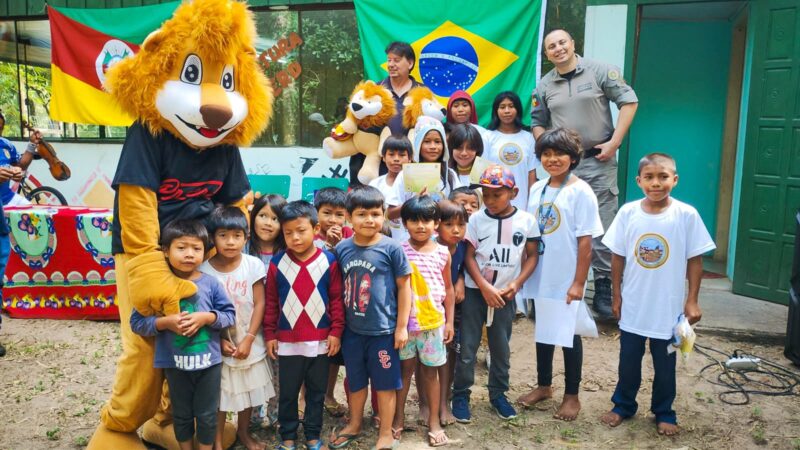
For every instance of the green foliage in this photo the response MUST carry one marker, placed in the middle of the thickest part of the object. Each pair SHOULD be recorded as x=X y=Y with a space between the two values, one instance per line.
x=569 y=15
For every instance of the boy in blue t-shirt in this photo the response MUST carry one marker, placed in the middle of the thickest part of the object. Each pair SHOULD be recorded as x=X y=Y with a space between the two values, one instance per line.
x=377 y=300
x=188 y=343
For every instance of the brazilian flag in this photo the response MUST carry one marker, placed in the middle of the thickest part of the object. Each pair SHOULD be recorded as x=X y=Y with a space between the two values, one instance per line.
x=478 y=46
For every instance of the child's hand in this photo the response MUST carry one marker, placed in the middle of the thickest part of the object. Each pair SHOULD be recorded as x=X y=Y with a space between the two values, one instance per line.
x=459 y=290
x=173 y=322
x=191 y=323
x=334 y=235
x=243 y=350
x=272 y=348
x=616 y=305
x=334 y=344
x=227 y=347
x=575 y=292
x=692 y=312
x=400 y=338
x=492 y=296
x=509 y=292
x=448 y=333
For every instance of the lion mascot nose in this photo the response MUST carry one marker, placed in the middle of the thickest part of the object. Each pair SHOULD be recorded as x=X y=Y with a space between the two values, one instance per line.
x=356 y=106
x=216 y=109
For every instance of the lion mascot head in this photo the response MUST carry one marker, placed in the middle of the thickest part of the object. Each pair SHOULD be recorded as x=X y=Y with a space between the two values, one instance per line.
x=419 y=102
x=369 y=111
x=197 y=77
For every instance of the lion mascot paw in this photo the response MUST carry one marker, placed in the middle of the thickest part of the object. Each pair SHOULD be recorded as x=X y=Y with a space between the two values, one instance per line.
x=196 y=92
x=369 y=111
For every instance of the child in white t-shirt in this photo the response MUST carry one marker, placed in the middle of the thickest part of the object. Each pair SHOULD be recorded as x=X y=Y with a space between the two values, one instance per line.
x=657 y=243
x=246 y=378
x=501 y=255
x=511 y=144
x=396 y=151
x=566 y=211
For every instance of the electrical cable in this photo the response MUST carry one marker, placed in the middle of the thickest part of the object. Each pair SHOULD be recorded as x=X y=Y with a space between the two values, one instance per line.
x=770 y=379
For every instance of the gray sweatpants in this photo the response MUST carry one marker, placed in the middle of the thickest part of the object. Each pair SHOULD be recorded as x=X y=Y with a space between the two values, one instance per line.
x=473 y=317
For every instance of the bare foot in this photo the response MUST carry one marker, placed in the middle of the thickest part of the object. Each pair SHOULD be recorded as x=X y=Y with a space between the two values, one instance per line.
x=384 y=443
x=535 y=396
x=667 y=429
x=446 y=417
x=250 y=443
x=424 y=415
x=569 y=409
x=611 y=419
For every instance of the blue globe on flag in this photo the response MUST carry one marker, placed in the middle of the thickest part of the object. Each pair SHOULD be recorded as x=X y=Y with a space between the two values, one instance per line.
x=448 y=64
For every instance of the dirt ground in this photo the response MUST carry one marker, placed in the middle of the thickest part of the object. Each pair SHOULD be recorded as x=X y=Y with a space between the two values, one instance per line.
x=57 y=374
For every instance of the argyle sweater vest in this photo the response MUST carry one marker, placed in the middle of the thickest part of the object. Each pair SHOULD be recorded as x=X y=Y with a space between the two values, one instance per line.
x=303 y=298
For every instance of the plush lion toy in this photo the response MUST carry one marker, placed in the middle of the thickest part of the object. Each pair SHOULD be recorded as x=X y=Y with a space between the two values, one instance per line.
x=370 y=109
x=197 y=92
x=419 y=102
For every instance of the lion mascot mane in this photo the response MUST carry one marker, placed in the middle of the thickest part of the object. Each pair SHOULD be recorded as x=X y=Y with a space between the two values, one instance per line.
x=197 y=92
x=419 y=102
x=369 y=111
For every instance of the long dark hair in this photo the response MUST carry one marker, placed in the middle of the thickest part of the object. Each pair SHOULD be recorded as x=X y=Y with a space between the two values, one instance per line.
x=495 y=123
x=276 y=203
x=460 y=134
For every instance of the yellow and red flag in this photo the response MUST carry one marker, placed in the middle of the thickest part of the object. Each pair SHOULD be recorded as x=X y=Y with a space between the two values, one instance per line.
x=85 y=44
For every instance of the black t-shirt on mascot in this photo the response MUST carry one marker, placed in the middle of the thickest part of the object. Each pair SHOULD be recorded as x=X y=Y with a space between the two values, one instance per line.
x=171 y=169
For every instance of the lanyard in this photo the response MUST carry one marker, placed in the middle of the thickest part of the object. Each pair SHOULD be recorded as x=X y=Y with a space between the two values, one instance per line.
x=545 y=215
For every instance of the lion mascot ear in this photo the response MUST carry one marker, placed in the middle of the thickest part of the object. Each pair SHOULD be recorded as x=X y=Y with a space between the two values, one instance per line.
x=197 y=77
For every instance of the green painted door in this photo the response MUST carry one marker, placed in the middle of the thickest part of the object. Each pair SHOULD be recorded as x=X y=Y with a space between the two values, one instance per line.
x=770 y=194
x=682 y=98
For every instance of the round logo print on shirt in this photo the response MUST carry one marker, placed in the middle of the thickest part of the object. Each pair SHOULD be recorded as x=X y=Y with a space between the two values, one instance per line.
x=651 y=251
x=510 y=154
x=553 y=219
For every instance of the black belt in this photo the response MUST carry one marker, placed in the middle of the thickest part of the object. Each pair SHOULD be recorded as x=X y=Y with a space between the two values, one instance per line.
x=591 y=152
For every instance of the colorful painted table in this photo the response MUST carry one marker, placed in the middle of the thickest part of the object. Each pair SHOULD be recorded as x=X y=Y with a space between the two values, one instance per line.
x=61 y=265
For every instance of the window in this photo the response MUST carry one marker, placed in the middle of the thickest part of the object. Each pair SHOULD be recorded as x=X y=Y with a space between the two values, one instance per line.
x=313 y=59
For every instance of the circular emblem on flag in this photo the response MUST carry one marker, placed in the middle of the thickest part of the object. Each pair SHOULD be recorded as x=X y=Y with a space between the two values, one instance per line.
x=448 y=64
x=113 y=52
x=510 y=154
x=651 y=251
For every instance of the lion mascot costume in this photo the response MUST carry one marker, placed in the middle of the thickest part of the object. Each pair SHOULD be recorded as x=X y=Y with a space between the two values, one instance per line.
x=197 y=92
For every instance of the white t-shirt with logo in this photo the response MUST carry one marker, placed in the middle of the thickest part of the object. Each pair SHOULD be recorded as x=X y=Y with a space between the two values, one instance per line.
x=239 y=287
x=574 y=214
x=515 y=152
x=399 y=232
x=656 y=248
x=499 y=245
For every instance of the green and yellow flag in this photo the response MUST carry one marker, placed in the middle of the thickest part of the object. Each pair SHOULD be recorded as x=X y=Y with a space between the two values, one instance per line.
x=480 y=47
x=86 y=43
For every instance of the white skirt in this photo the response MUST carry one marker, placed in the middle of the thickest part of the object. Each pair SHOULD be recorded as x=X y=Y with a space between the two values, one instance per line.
x=245 y=387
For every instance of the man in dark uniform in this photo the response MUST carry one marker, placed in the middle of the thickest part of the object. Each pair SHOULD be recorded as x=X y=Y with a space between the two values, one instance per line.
x=577 y=94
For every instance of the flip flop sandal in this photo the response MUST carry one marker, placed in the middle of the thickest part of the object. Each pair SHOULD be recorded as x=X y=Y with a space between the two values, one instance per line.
x=348 y=439
x=335 y=409
x=317 y=446
x=285 y=447
x=435 y=439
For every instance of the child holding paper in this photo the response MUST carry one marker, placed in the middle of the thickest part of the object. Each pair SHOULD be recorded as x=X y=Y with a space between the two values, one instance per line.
x=566 y=210
x=659 y=242
x=429 y=147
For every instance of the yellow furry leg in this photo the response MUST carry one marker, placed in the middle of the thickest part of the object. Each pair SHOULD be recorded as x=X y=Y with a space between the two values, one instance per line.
x=164 y=435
